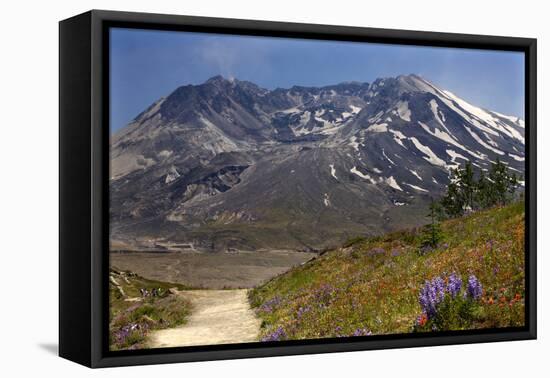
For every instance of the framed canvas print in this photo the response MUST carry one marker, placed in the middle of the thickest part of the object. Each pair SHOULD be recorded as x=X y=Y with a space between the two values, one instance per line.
x=233 y=188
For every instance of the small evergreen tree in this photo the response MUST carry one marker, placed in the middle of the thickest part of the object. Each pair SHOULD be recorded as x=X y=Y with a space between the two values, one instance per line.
x=483 y=193
x=467 y=185
x=432 y=233
x=503 y=184
x=454 y=202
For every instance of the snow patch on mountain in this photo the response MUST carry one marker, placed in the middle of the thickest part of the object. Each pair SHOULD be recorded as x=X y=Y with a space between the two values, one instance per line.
x=435 y=111
x=403 y=111
x=391 y=182
x=292 y=110
x=355 y=171
x=299 y=129
x=515 y=120
x=480 y=141
x=455 y=155
x=398 y=137
x=416 y=174
x=478 y=112
x=376 y=117
x=378 y=128
x=516 y=157
x=430 y=156
x=490 y=141
x=331 y=130
x=333 y=171
x=353 y=143
x=386 y=156
x=440 y=135
x=416 y=187
x=326 y=200
x=486 y=117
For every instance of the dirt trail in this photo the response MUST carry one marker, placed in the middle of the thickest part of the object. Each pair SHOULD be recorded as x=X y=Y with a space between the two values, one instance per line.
x=218 y=317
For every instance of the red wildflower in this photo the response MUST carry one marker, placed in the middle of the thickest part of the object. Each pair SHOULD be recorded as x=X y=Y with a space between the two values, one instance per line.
x=423 y=319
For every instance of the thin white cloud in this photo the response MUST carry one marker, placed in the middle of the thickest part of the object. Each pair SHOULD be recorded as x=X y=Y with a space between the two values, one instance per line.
x=229 y=55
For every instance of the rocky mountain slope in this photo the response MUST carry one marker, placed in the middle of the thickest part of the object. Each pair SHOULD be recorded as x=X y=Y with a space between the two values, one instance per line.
x=229 y=165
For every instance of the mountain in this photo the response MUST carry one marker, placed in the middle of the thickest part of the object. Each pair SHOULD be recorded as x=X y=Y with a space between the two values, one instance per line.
x=227 y=164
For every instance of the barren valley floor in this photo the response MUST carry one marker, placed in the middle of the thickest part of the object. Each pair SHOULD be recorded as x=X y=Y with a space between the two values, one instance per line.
x=210 y=270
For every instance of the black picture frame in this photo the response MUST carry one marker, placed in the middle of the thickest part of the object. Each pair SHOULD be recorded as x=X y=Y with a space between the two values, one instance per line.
x=83 y=181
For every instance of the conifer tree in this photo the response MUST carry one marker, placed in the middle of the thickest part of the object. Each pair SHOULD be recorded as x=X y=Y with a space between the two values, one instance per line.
x=467 y=185
x=483 y=193
x=465 y=193
x=431 y=233
x=503 y=184
x=453 y=201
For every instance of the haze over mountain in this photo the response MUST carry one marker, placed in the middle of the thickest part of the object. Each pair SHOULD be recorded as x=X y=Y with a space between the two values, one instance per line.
x=227 y=164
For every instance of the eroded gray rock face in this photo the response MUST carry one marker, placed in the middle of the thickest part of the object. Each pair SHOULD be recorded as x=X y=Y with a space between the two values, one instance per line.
x=229 y=165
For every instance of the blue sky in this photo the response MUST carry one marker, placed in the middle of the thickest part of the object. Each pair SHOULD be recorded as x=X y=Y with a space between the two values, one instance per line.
x=146 y=65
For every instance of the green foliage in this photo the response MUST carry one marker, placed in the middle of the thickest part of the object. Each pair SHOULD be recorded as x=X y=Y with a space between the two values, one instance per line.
x=133 y=316
x=468 y=185
x=483 y=192
x=453 y=201
x=465 y=193
x=432 y=234
x=146 y=310
x=503 y=184
x=457 y=313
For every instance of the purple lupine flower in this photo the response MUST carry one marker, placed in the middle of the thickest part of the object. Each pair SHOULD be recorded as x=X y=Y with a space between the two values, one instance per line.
x=425 y=299
x=302 y=310
x=362 y=332
x=454 y=285
x=431 y=295
x=121 y=334
x=324 y=295
x=270 y=305
x=474 y=289
x=277 y=335
x=439 y=287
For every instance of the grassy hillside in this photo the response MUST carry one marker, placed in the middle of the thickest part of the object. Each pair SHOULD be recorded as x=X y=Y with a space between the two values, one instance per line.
x=372 y=286
x=139 y=305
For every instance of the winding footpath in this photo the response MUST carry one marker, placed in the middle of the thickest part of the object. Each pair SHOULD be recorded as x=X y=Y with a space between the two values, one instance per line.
x=217 y=317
